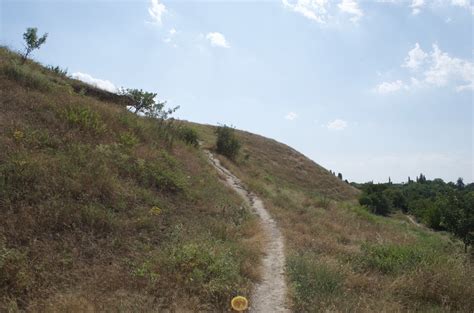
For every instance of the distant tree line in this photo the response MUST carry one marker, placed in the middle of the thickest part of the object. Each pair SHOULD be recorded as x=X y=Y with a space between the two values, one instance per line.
x=339 y=175
x=439 y=205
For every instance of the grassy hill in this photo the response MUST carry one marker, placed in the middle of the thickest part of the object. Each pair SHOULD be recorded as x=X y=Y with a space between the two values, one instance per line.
x=101 y=210
x=340 y=257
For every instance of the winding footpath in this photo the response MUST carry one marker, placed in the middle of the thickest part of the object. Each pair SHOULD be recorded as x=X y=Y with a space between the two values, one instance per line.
x=270 y=294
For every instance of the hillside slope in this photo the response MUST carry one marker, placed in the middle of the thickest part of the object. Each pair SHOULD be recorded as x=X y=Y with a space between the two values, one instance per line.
x=267 y=160
x=340 y=257
x=101 y=210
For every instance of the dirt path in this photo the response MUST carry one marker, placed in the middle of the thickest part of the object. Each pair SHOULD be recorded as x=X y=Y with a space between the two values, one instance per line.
x=270 y=294
x=412 y=220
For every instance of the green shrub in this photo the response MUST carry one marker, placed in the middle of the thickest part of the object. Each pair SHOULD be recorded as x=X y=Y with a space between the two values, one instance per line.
x=162 y=176
x=15 y=276
x=128 y=140
x=145 y=270
x=27 y=77
x=205 y=269
x=85 y=119
x=313 y=283
x=377 y=202
x=392 y=258
x=97 y=218
x=433 y=217
x=227 y=143
x=57 y=70
x=364 y=213
x=20 y=180
x=189 y=136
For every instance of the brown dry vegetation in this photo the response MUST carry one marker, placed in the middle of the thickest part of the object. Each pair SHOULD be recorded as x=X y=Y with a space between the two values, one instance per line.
x=340 y=257
x=102 y=211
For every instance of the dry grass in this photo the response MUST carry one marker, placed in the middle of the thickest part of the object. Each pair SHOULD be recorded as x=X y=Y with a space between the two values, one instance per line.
x=101 y=213
x=341 y=258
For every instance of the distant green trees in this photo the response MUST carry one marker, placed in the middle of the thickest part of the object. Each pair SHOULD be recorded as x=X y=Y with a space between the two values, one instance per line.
x=439 y=205
x=421 y=179
x=375 y=198
x=32 y=41
x=227 y=143
x=457 y=213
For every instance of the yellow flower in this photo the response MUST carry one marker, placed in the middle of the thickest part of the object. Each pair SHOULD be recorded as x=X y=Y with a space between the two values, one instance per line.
x=239 y=303
x=155 y=211
x=18 y=135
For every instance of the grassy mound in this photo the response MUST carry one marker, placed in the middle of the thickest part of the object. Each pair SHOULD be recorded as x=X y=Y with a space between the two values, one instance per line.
x=341 y=257
x=103 y=210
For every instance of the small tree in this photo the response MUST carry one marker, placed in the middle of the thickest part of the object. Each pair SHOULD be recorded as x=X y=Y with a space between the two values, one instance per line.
x=421 y=179
x=339 y=175
x=227 y=144
x=32 y=41
x=376 y=198
x=458 y=215
x=144 y=102
x=460 y=183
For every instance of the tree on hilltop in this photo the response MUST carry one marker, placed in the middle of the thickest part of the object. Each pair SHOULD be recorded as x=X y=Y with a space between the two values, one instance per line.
x=32 y=41
x=144 y=102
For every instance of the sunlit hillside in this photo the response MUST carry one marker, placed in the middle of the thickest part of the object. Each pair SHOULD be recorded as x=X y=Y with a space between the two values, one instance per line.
x=102 y=210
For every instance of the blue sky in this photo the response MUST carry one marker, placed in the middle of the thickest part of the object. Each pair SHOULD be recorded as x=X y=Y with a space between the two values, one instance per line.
x=370 y=89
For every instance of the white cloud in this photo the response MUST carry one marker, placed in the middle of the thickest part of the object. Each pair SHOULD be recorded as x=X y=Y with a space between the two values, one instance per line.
x=99 y=83
x=291 y=116
x=315 y=10
x=436 y=69
x=156 y=11
x=466 y=4
x=171 y=34
x=469 y=86
x=337 y=124
x=351 y=7
x=217 y=40
x=415 y=57
x=461 y=3
x=414 y=83
x=416 y=6
x=444 y=68
x=388 y=87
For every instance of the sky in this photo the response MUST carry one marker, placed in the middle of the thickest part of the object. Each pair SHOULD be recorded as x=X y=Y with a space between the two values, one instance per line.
x=370 y=89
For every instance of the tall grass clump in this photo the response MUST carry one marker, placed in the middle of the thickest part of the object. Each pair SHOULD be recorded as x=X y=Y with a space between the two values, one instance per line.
x=448 y=284
x=314 y=283
x=85 y=119
x=394 y=258
x=27 y=77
